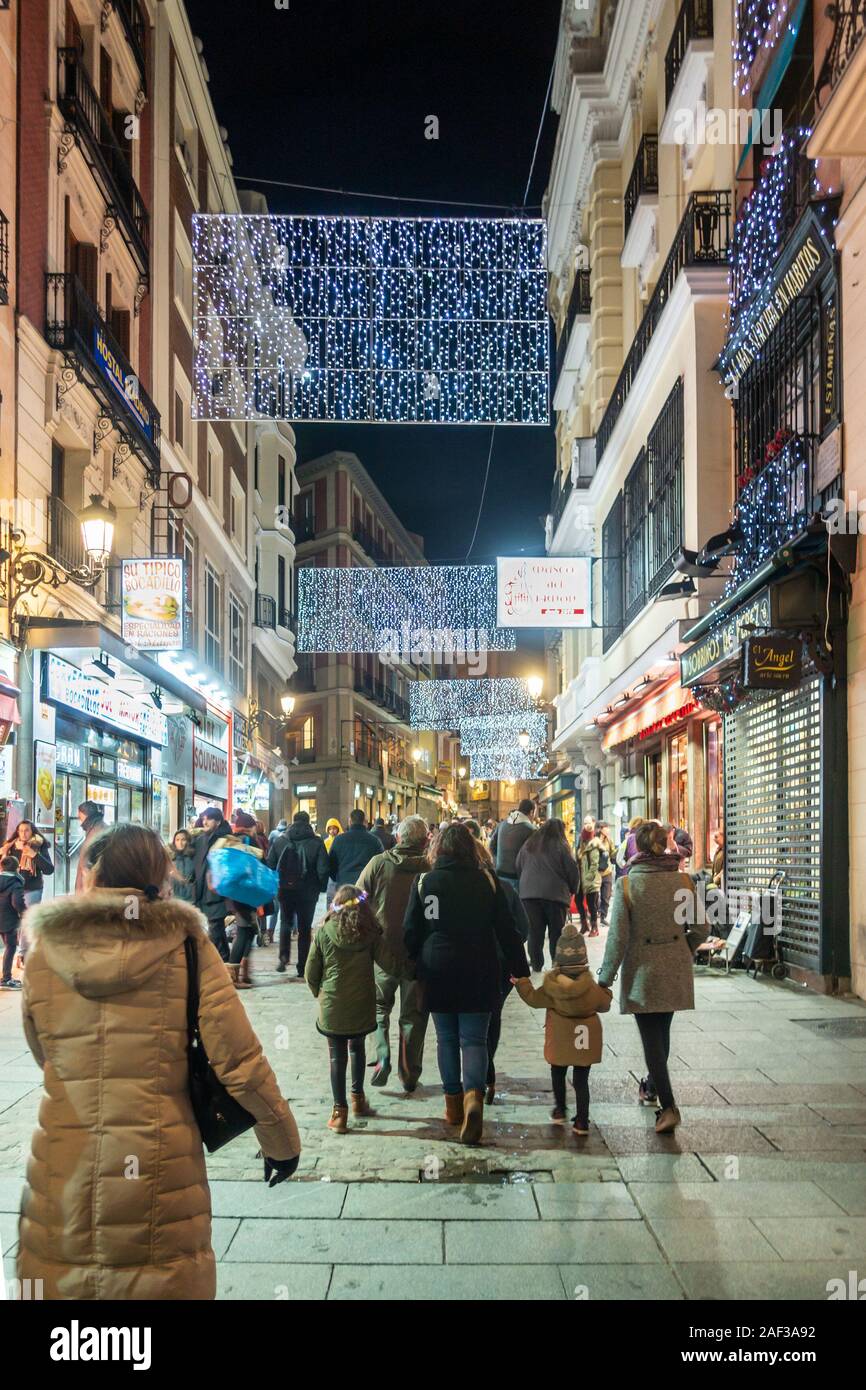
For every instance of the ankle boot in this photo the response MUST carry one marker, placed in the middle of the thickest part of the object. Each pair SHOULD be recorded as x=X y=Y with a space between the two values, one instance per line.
x=473 y=1117
x=360 y=1104
x=339 y=1119
x=244 y=981
x=454 y=1109
x=233 y=973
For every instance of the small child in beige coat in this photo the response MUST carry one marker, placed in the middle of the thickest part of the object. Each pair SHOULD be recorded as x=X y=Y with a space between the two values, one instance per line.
x=572 y=1029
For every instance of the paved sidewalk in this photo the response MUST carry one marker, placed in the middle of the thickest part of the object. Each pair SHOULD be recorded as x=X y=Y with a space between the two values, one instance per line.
x=760 y=1194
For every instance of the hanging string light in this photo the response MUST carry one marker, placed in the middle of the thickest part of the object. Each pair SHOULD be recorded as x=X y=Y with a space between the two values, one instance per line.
x=376 y=319
x=445 y=704
x=504 y=733
x=401 y=612
x=512 y=765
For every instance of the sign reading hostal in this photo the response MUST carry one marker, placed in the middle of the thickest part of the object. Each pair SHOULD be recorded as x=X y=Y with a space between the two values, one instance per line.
x=543 y=591
x=772 y=663
x=152 y=595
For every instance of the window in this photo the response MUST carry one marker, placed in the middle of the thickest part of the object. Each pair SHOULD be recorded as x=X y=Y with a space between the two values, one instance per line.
x=634 y=529
x=665 y=453
x=182 y=272
x=281 y=589
x=185 y=130
x=256 y=468
x=184 y=434
x=179 y=421
x=213 y=628
x=237 y=642
x=237 y=514
x=308 y=734
x=189 y=555
x=281 y=481
x=213 y=480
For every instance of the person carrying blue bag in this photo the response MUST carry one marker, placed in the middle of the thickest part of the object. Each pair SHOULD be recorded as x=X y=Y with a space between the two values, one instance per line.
x=237 y=875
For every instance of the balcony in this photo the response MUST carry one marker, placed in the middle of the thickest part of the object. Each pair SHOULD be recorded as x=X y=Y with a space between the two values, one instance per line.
x=91 y=128
x=288 y=619
x=266 y=612
x=640 y=205
x=131 y=16
x=702 y=239
x=840 y=128
x=369 y=545
x=692 y=39
x=304 y=530
x=74 y=326
x=65 y=542
x=571 y=347
x=4 y=258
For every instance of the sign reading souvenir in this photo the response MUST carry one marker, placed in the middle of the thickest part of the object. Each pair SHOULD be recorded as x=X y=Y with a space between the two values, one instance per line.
x=210 y=768
x=723 y=643
x=544 y=591
x=152 y=594
x=772 y=663
x=124 y=382
x=44 y=782
x=72 y=688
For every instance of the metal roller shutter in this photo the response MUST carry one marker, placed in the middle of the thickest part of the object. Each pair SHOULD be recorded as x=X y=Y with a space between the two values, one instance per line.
x=773 y=809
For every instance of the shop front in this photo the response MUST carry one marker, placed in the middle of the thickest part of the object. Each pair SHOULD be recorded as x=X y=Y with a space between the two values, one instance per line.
x=93 y=742
x=562 y=799
x=775 y=673
x=211 y=765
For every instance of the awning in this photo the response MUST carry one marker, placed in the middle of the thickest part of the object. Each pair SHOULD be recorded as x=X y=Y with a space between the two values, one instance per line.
x=59 y=634
x=773 y=79
x=662 y=709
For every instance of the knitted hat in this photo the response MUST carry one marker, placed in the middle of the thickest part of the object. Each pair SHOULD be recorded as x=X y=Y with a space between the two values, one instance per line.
x=244 y=820
x=570 y=951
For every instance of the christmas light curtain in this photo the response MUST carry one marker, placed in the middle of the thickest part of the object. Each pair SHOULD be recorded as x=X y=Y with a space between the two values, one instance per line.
x=504 y=733
x=378 y=320
x=445 y=704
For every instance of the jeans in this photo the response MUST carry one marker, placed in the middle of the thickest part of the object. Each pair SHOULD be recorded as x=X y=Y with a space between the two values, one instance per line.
x=655 y=1034
x=544 y=915
x=216 y=930
x=580 y=1082
x=10 y=941
x=302 y=906
x=606 y=894
x=339 y=1051
x=33 y=896
x=588 y=911
x=493 y=1033
x=462 y=1035
x=412 y=1026
x=243 y=942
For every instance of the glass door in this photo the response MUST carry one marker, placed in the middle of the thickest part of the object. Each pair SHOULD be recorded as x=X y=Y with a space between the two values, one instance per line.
x=70 y=791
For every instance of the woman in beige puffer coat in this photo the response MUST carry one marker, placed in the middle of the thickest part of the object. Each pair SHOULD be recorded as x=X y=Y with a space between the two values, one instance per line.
x=117 y=1204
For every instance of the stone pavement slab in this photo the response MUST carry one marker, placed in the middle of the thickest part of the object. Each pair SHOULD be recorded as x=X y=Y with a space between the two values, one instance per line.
x=671 y=1167
x=607 y=1201
x=439 y=1201
x=315 y=1241
x=697 y=1200
x=847 y=1192
x=697 y=1137
x=753 y=1280
x=724 y=1238
x=816 y=1237
x=288 y=1199
x=257 y=1283
x=550 y=1242
x=597 y=1283
x=436 y=1283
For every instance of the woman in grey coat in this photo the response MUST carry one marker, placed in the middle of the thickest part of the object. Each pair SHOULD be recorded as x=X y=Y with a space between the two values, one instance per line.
x=548 y=877
x=652 y=937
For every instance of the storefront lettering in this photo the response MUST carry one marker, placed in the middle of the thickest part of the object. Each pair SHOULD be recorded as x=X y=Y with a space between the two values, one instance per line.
x=68 y=686
x=722 y=644
x=744 y=347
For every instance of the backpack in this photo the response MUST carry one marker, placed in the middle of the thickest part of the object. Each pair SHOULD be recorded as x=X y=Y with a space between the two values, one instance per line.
x=291 y=867
x=603 y=860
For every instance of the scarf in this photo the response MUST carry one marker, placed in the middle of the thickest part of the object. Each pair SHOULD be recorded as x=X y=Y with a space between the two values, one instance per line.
x=657 y=862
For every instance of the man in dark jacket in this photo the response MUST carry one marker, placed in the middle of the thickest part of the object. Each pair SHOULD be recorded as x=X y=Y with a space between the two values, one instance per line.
x=352 y=850
x=509 y=837
x=207 y=900
x=301 y=862
x=383 y=834
x=12 y=905
x=387 y=880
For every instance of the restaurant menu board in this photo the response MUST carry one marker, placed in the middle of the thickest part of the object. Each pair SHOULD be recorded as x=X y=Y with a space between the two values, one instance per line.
x=44 y=781
x=543 y=591
x=152 y=596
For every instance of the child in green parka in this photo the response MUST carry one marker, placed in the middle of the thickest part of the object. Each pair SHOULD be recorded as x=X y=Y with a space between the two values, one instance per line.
x=340 y=974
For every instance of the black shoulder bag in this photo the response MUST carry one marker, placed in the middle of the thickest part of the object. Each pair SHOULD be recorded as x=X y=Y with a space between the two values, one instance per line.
x=219 y=1116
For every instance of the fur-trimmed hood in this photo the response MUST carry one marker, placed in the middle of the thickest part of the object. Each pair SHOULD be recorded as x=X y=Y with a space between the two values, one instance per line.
x=110 y=940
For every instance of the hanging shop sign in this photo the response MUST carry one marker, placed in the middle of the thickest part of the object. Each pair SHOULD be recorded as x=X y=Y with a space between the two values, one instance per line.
x=830 y=363
x=796 y=273
x=44 y=781
x=71 y=688
x=124 y=383
x=828 y=463
x=772 y=663
x=724 y=642
x=544 y=592
x=210 y=768
x=152 y=599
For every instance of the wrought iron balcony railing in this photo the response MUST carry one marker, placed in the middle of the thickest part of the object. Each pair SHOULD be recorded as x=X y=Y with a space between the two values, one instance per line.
x=703 y=238
x=132 y=18
x=368 y=543
x=850 y=27
x=4 y=258
x=74 y=325
x=694 y=21
x=580 y=303
x=65 y=542
x=91 y=126
x=644 y=178
x=304 y=530
x=266 y=611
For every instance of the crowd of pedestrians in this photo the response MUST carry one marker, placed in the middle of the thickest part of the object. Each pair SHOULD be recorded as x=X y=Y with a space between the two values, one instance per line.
x=431 y=923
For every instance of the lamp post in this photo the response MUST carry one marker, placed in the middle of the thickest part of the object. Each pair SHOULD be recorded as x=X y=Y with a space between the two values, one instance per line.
x=25 y=571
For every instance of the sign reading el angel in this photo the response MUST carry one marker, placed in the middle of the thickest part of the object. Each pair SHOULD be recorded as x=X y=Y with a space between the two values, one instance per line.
x=544 y=591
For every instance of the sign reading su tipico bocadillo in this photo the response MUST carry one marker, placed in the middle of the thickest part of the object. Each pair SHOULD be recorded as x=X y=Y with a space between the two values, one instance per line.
x=772 y=663
x=152 y=595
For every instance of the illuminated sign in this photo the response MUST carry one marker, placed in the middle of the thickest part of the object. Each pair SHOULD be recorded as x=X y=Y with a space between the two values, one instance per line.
x=70 y=687
x=724 y=642
x=124 y=382
x=152 y=599
x=210 y=768
x=772 y=663
x=544 y=591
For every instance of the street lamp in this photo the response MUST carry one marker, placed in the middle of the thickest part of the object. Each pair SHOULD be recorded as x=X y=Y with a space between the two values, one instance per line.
x=461 y=773
x=287 y=704
x=97 y=531
x=523 y=739
x=535 y=685
x=416 y=755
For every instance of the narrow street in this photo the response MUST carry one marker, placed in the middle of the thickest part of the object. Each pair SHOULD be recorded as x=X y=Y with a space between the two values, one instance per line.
x=761 y=1194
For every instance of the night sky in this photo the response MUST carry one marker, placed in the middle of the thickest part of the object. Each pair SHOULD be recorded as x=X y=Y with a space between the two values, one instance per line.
x=335 y=93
